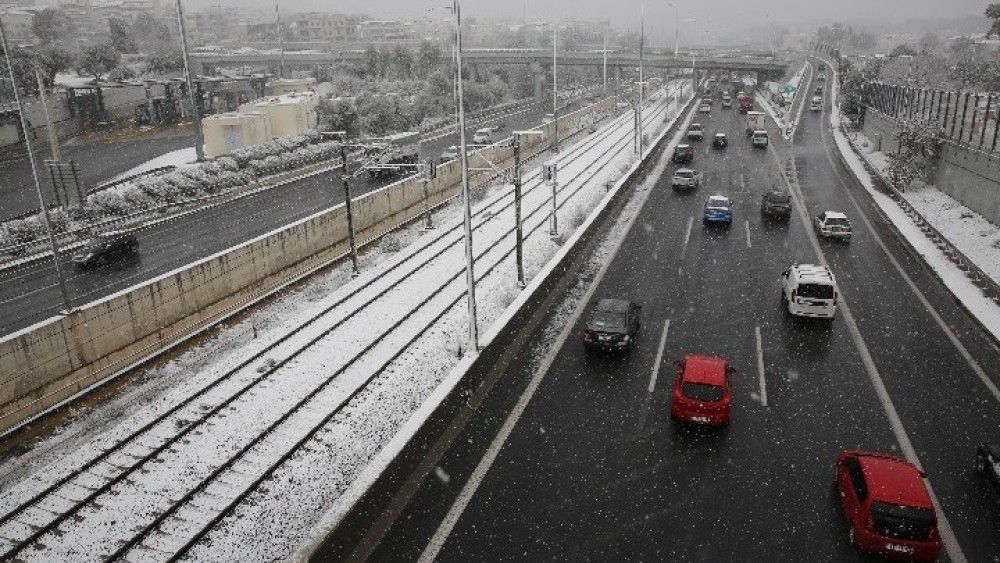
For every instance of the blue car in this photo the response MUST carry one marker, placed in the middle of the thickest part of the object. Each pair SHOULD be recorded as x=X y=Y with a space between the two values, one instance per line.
x=718 y=209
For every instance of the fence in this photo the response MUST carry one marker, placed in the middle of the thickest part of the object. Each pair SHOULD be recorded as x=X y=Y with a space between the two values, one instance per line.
x=968 y=118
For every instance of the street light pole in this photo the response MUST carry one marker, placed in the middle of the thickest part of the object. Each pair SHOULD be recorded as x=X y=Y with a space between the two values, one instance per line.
x=677 y=29
x=281 y=43
x=642 y=40
x=605 y=58
x=199 y=140
x=53 y=245
x=555 y=88
x=470 y=275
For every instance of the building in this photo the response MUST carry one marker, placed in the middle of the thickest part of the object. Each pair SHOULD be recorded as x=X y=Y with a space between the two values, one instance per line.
x=17 y=24
x=321 y=27
x=257 y=122
x=383 y=31
x=282 y=86
x=210 y=26
x=228 y=132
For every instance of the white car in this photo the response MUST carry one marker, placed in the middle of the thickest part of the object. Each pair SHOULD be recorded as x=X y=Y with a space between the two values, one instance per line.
x=685 y=178
x=696 y=132
x=759 y=138
x=809 y=290
x=833 y=224
x=816 y=104
x=704 y=108
x=450 y=153
x=486 y=136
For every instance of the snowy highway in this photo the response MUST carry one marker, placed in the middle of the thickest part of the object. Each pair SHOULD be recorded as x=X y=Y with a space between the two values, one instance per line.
x=223 y=455
x=593 y=467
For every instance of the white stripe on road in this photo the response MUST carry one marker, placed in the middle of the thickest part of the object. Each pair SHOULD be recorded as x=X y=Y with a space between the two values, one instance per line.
x=746 y=227
x=659 y=355
x=945 y=530
x=760 y=367
x=435 y=544
x=684 y=246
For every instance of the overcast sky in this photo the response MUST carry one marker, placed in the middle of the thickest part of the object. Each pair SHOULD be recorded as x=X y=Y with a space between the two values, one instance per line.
x=625 y=12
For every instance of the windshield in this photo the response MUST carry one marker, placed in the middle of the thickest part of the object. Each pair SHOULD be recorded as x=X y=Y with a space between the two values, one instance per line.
x=836 y=221
x=780 y=198
x=903 y=522
x=815 y=291
x=695 y=127
x=685 y=174
x=718 y=202
x=608 y=320
x=703 y=392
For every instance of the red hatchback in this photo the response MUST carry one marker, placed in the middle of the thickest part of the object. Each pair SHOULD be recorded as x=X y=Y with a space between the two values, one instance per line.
x=703 y=391
x=888 y=506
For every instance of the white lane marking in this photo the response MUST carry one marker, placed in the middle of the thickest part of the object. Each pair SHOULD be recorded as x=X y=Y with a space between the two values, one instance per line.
x=746 y=227
x=743 y=182
x=684 y=245
x=659 y=355
x=945 y=530
x=760 y=367
x=962 y=350
x=435 y=544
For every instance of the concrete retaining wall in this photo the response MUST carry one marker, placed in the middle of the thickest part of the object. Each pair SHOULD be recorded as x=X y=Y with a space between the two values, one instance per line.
x=54 y=360
x=968 y=175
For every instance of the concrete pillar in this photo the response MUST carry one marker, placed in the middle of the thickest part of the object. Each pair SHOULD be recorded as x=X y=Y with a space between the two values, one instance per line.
x=538 y=73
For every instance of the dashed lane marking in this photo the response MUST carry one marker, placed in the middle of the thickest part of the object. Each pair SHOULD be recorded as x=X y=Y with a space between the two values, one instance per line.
x=659 y=355
x=760 y=366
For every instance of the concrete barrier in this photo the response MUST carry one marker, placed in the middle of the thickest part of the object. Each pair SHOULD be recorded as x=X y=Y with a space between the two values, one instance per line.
x=48 y=363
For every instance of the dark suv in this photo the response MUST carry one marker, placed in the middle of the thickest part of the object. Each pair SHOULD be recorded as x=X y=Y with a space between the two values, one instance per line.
x=683 y=154
x=613 y=325
x=105 y=248
x=776 y=204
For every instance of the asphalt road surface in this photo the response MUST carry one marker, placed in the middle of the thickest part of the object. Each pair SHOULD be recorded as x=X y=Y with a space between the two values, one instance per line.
x=595 y=469
x=98 y=160
x=30 y=293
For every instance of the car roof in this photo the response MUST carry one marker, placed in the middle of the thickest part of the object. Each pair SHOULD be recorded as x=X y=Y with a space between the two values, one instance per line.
x=683 y=146
x=779 y=192
x=693 y=125
x=685 y=170
x=834 y=215
x=757 y=131
x=614 y=305
x=894 y=480
x=720 y=134
x=710 y=370
x=813 y=273
x=718 y=198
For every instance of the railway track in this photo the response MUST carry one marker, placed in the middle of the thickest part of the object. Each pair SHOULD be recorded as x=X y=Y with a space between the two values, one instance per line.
x=214 y=488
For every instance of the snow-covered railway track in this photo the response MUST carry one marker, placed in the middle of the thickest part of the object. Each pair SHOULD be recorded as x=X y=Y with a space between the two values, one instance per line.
x=178 y=491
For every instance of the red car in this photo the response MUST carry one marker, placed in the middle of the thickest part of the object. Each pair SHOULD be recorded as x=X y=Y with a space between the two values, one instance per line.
x=703 y=391
x=888 y=506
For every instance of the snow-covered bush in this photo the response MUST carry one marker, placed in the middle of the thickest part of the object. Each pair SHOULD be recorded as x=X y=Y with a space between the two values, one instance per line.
x=109 y=203
x=23 y=231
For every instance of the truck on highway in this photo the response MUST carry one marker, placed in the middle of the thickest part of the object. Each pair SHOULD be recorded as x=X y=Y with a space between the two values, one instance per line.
x=754 y=121
x=746 y=102
x=394 y=155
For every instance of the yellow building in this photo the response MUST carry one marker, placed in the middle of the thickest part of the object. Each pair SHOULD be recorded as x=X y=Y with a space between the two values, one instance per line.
x=290 y=114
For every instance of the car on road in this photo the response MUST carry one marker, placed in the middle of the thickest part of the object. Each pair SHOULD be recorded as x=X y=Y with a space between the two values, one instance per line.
x=720 y=141
x=703 y=390
x=105 y=248
x=705 y=108
x=821 y=77
x=613 y=326
x=486 y=136
x=887 y=506
x=685 y=179
x=776 y=204
x=987 y=464
x=718 y=209
x=816 y=104
x=818 y=91
x=450 y=153
x=833 y=224
x=809 y=290
x=759 y=138
x=683 y=154
x=727 y=103
x=696 y=132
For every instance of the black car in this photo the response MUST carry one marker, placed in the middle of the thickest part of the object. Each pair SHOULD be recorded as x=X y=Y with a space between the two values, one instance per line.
x=613 y=325
x=988 y=463
x=105 y=248
x=720 y=141
x=683 y=154
x=776 y=204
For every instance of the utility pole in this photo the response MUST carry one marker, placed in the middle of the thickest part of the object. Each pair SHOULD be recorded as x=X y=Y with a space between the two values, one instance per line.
x=677 y=30
x=470 y=275
x=606 y=58
x=642 y=40
x=429 y=173
x=519 y=240
x=345 y=178
x=281 y=44
x=550 y=175
x=53 y=246
x=43 y=96
x=199 y=139
x=555 y=87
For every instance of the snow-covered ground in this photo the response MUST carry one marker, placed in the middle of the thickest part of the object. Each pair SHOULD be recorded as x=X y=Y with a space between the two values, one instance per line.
x=781 y=115
x=180 y=158
x=975 y=238
x=355 y=377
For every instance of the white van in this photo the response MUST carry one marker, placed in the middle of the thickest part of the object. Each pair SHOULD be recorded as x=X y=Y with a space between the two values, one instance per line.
x=759 y=138
x=809 y=290
x=816 y=104
x=486 y=136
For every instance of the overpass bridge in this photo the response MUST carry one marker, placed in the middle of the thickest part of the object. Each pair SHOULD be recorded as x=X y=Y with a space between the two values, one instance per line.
x=540 y=60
